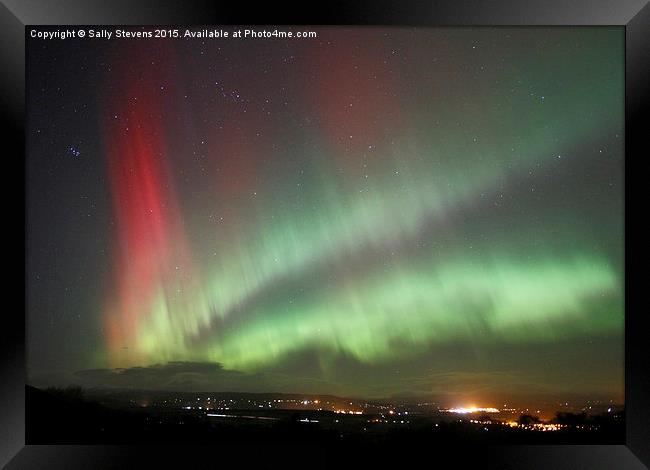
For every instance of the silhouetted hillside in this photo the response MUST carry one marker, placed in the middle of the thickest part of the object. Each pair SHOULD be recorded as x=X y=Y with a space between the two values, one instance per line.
x=68 y=416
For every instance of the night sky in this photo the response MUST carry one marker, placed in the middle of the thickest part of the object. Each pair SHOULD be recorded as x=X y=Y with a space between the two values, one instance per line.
x=371 y=212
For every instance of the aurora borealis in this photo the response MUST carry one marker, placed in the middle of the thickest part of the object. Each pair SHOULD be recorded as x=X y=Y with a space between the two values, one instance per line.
x=374 y=211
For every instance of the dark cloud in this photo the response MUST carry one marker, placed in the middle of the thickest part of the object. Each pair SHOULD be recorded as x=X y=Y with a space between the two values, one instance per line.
x=191 y=376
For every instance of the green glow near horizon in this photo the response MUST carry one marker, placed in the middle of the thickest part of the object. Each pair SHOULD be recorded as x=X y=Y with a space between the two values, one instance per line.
x=503 y=301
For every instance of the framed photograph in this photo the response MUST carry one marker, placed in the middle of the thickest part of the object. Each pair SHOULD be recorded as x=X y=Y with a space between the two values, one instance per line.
x=355 y=234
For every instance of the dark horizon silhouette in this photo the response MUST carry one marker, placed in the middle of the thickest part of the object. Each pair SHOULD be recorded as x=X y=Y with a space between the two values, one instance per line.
x=66 y=416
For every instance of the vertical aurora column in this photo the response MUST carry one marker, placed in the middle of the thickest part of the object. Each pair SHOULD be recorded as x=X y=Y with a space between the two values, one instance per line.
x=156 y=282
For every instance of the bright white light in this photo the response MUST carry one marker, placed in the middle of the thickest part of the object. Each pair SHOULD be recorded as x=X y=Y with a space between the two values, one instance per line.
x=472 y=410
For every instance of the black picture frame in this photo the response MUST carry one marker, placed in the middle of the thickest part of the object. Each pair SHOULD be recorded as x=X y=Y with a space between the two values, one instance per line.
x=633 y=15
